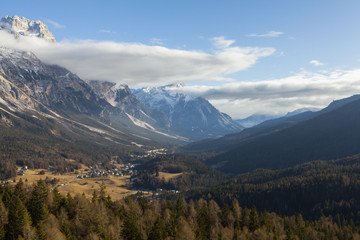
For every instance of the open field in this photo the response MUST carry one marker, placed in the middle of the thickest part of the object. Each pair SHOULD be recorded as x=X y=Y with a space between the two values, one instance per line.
x=69 y=183
x=168 y=176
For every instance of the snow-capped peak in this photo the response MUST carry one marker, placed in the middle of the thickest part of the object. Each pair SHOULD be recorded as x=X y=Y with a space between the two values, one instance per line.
x=20 y=26
x=177 y=85
x=193 y=117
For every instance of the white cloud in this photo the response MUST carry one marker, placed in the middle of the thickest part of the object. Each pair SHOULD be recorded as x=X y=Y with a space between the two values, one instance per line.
x=144 y=65
x=138 y=64
x=221 y=42
x=55 y=24
x=157 y=41
x=268 y=34
x=316 y=63
x=279 y=96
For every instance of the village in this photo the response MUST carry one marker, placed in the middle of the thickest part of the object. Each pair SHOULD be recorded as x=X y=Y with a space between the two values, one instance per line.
x=118 y=176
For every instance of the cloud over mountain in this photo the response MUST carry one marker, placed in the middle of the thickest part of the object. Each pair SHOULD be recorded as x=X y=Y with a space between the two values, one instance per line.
x=278 y=96
x=139 y=64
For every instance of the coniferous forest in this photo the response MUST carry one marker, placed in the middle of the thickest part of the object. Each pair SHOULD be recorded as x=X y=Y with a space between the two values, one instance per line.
x=37 y=212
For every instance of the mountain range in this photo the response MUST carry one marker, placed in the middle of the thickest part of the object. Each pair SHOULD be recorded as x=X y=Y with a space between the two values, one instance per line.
x=284 y=142
x=50 y=104
x=73 y=110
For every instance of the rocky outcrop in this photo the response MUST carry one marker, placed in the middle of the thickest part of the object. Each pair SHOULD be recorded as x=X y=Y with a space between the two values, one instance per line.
x=192 y=117
x=20 y=26
x=121 y=97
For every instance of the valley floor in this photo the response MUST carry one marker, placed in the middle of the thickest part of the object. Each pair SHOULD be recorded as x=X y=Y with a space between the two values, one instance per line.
x=116 y=186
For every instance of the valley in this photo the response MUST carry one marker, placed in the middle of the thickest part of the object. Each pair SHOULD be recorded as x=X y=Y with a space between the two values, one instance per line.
x=105 y=139
x=118 y=187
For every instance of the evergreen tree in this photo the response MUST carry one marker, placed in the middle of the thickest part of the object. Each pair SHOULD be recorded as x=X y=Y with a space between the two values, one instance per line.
x=17 y=219
x=203 y=223
x=7 y=196
x=58 y=201
x=37 y=204
x=19 y=190
x=254 y=221
x=158 y=231
x=130 y=230
x=3 y=219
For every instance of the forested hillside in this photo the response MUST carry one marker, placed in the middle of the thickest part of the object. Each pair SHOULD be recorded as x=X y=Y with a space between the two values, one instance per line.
x=314 y=189
x=40 y=213
x=330 y=135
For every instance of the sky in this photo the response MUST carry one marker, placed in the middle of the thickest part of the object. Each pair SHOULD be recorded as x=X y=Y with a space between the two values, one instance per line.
x=245 y=57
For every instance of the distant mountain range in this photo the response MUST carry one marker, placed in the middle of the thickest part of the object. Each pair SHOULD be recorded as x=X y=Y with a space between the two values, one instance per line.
x=259 y=118
x=331 y=133
x=255 y=119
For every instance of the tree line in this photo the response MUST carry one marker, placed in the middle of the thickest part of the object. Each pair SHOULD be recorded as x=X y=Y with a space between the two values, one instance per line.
x=37 y=212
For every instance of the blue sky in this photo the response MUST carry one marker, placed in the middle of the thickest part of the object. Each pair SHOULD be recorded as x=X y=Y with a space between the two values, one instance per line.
x=305 y=41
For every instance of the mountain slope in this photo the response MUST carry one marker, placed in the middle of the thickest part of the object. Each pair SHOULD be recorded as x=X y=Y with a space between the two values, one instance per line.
x=230 y=141
x=53 y=86
x=312 y=189
x=120 y=96
x=330 y=135
x=36 y=97
x=191 y=117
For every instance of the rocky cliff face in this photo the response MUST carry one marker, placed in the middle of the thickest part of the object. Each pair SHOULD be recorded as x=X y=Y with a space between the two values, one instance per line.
x=31 y=89
x=192 y=117
x=20 y=26
x=52 y=86
x=121 y=97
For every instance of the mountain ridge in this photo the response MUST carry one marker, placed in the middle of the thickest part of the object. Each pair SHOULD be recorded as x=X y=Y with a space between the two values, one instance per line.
x=21 y=26
x=193 y=116
x=329 y=134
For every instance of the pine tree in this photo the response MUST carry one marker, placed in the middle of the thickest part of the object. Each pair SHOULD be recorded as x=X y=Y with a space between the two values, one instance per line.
x=58 y=201
x=203 y=222
x=7 y=196
x=158 y=231
x=37 y=204
x=17 y=219
x=289 y=234
x=254 y=220
x=102 y=191
x=19 y=190
x=3 y=220
x=130 y=230
x=67 y=232
x=94 y=196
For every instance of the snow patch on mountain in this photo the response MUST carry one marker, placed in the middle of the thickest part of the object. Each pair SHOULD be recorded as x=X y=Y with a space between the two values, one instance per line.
x=163 y=98
x=140 y=123
x=20 y=26
x=193 y=117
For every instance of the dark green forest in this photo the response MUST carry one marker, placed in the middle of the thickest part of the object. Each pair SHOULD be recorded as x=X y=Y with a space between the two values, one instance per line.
x=329 y=188
x=37 y=212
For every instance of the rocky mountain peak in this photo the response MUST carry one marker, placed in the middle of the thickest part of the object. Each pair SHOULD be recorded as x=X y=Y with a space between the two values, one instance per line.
x=114 y=93
x=176 y=85
x=22 y=26
x=193 y=117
